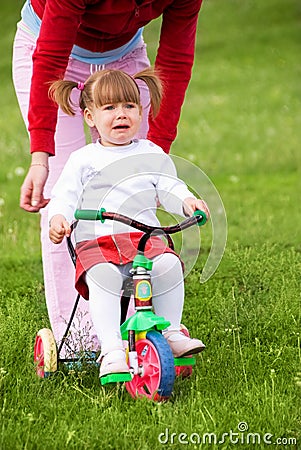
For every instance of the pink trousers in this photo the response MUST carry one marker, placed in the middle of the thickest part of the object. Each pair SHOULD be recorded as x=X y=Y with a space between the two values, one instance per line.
x=58 y=269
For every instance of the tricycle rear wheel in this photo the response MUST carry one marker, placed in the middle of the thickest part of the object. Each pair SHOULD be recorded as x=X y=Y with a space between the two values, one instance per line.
x=45 y=353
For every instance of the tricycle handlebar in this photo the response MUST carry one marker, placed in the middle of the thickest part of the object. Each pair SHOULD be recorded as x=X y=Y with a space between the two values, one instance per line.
x=199 y=218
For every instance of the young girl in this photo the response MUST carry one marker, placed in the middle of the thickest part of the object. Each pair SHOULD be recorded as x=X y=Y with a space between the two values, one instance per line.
x=128 y=176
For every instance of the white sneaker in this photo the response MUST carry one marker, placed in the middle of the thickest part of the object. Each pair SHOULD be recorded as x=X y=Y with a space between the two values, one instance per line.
x=182 y=345
x=113 y=362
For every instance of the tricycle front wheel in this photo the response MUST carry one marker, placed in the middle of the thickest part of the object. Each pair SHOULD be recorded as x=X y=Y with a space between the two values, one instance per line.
x=157 y=372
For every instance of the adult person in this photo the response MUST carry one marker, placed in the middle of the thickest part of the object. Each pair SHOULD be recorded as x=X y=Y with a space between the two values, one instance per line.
x=70 y=39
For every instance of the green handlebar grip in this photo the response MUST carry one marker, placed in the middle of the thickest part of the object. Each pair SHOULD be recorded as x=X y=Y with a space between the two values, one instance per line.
x=89 y=214
x=86 y=214
x=201 y=217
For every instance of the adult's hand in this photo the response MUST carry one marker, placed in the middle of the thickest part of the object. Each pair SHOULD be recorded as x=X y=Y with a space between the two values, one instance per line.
x=32 y=197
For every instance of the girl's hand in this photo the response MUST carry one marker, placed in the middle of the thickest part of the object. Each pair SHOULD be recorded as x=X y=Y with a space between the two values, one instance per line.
x=192 y=204
x=32 y=198
x=59 y=228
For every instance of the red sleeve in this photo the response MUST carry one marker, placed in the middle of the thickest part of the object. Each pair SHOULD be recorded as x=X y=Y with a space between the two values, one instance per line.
x=174 y=61
x=57 y=36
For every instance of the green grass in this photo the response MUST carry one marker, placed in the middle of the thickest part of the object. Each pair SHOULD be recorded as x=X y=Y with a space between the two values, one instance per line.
x=241 y=125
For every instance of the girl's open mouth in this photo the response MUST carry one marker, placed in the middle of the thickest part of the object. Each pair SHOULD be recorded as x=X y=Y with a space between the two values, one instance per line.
x=121 y=127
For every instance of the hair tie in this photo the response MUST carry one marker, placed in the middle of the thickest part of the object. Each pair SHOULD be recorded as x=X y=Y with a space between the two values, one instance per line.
x=80 y=86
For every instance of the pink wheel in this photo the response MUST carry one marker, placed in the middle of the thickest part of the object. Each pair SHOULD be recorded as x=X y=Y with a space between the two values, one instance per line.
x=184 y=371
x=45 y=353
x=157 y=375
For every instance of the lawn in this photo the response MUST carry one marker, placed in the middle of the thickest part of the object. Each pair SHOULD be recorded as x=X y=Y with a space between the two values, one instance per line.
x=238 y=145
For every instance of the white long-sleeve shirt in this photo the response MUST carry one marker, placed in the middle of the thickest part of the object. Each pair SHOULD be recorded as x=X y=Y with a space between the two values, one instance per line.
x=129 y=180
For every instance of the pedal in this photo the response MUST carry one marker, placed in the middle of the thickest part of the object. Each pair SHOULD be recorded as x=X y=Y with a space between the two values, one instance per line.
x=115 y=378
x=185 y=361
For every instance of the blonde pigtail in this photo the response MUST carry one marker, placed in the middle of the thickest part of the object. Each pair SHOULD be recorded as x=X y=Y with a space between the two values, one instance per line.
x=152 y=80
x=60 y=92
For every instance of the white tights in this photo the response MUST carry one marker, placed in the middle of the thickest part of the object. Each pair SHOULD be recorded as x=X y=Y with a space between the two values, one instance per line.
x=105 y=282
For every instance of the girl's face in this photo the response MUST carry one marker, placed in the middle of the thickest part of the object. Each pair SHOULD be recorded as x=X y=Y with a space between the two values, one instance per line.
x=116 y=123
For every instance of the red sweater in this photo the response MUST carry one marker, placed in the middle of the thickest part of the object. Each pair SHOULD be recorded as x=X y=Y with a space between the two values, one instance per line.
x=102 y=25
